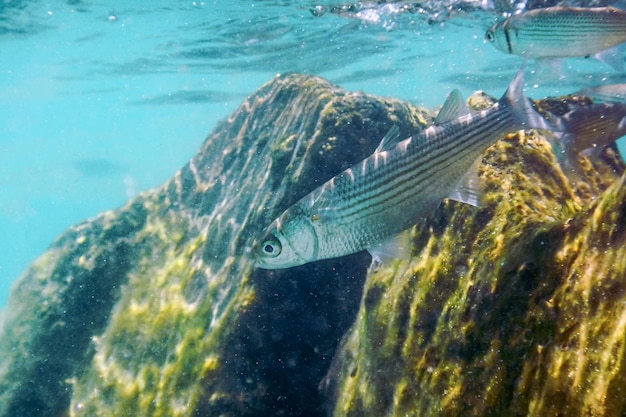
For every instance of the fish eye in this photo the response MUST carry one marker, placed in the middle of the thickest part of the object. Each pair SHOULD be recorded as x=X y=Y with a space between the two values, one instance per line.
x=271 y=248
x=489 y=35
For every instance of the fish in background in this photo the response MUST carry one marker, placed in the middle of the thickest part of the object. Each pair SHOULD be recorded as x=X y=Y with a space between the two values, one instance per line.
x=612 y=93
x=587 y=128
x=370 y=204
x=558 y=32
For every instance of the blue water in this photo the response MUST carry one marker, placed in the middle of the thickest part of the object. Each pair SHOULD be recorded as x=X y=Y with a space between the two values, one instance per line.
x=102 y=100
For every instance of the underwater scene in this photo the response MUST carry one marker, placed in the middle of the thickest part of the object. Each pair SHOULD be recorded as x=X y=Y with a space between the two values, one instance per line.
x=313 y=208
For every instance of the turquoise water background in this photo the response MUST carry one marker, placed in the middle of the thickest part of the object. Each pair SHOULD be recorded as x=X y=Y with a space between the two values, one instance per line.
x=102 y=100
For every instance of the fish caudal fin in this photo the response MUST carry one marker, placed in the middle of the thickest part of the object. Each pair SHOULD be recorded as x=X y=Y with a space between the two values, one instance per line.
x=525 y=114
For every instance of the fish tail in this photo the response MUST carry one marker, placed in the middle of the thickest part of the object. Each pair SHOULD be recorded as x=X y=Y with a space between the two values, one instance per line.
x=523 y=110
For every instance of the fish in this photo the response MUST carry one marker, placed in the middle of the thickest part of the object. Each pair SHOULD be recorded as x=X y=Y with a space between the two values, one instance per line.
x=609 y=93
x=559 y=32
x=587 y=129
x=370 y=204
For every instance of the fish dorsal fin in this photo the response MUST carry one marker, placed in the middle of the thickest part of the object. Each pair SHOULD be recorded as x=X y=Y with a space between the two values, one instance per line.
x=390 y=140
x=619 y=5
x=395 y=247
x=469 y=189
x=453 y=108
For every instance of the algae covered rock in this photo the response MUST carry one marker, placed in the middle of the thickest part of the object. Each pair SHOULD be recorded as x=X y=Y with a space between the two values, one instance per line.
x=514 y=309
x=154 y=309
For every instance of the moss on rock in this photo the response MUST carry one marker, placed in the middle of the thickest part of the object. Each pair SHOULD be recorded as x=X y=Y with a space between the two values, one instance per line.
x=516 y=308
x=154 y=309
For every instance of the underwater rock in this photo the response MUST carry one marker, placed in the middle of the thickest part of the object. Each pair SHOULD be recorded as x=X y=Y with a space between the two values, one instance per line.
x=154 y=309
x=515 y=308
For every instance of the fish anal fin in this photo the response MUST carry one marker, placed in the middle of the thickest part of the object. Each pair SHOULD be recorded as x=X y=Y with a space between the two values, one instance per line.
x=396 y=247
x=469 y=189
x=453 y=108
x=390 y=140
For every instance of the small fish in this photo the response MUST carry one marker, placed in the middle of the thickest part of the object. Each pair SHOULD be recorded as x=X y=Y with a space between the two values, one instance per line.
x=557 y=32
x=369 y=204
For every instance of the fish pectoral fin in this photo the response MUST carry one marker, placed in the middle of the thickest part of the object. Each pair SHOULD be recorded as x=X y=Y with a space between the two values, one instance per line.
x=396 y=247
x=454 y=107
x=326 y=214
x=550 y=69
x=390 y=140
x=469 y=189
x=613 y=57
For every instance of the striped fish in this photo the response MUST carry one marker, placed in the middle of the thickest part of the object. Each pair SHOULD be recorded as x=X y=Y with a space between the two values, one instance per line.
x=555 y=32
x=401 y=183
x=589 y=128
x=612 y=93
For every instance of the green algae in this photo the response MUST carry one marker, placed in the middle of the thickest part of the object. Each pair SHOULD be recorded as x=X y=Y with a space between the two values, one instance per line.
x=154 y=351
x=513 y=308
x=167 y=315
